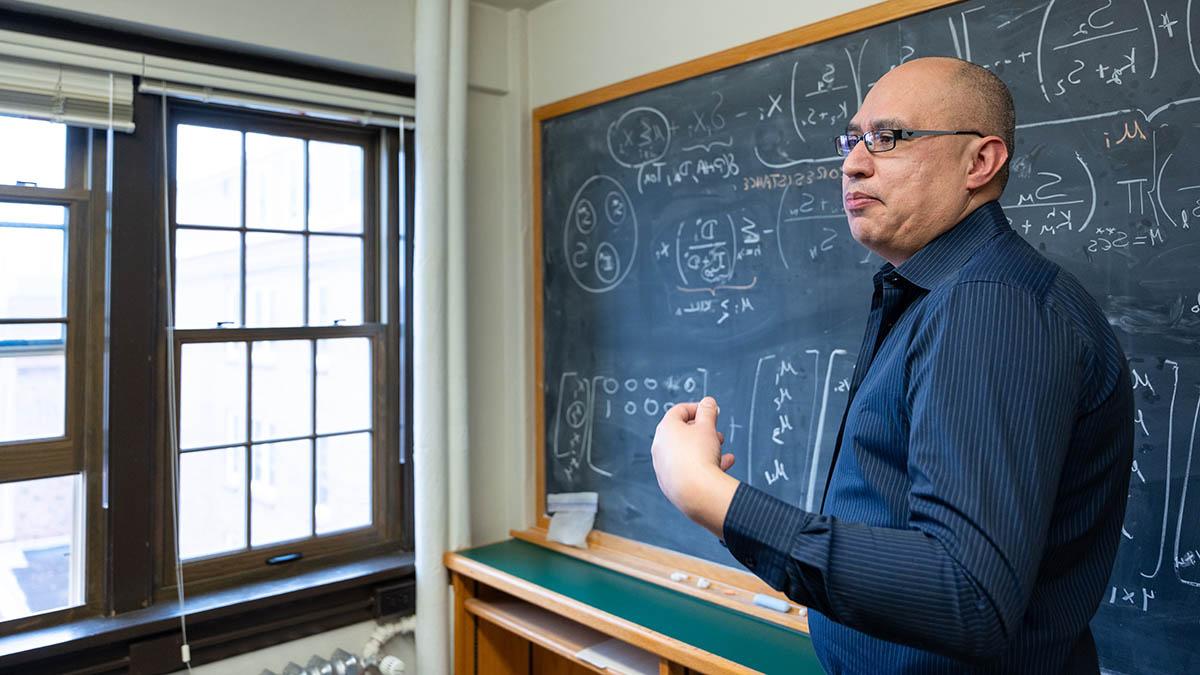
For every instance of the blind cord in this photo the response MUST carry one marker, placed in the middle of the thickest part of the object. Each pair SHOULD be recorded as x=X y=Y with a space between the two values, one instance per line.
x=185 y=653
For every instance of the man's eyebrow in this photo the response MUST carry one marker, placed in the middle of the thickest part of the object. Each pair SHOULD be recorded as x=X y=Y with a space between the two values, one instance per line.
x=881 y=123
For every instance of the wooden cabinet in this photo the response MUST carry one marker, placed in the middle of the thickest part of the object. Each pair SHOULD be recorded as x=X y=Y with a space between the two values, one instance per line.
x=523 y=609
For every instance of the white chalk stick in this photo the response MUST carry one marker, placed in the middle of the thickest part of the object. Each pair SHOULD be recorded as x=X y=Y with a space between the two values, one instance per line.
x=771 y=603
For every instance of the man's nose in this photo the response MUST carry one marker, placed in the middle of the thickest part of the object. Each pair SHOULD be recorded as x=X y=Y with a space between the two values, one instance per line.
x=859 y=162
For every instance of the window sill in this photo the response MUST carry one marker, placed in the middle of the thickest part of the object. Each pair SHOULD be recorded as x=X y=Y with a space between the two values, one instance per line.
x=220 y=624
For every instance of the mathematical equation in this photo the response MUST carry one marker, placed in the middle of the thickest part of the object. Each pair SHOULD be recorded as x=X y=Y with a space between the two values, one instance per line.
x=780 y=424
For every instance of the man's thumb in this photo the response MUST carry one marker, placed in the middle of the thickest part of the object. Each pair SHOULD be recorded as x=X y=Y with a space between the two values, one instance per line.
x=707 y=411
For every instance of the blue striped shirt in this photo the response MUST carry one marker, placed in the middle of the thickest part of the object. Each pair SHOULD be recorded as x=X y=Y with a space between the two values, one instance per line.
x=980 y=478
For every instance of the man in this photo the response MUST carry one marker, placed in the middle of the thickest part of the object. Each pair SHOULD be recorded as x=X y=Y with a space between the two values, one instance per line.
x=982 y=467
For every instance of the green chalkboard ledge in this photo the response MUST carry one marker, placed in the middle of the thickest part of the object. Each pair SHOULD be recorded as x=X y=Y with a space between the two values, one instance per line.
x=524 y=608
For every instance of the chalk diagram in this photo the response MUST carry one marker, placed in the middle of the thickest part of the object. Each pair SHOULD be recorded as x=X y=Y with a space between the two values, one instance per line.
x=1085 y=49
x=811 y=223
x=639 y=136
x=1050 y=202
x=706 y=252
x=1171 y=537
x=600 y=237
x=1176 y=190
x=588 y=404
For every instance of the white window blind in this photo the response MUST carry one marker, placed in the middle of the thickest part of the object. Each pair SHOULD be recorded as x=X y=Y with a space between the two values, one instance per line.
x=205 y=82
x=261 y=91
x=67 y=94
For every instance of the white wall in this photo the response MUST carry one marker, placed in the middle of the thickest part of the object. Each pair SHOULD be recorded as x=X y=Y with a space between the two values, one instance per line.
x=499 y=280
x=368 y=36
x=579 y=45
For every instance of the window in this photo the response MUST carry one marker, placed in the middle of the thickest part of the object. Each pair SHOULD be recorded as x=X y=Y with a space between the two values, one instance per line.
x=283 y=356
x=288 y=357
x=48 y=467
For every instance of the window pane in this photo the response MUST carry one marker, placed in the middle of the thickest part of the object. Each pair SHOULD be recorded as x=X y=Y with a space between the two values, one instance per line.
x=274 y=182
x=33 y=381
x=274 y=279
x=335 y=275
x=32 y=283
x=343 y=385
x=15 y=213
x=208 y=176
x=38 y=335
x=343 y=482
x=281 y=400
x=335 y=187
x=208 y=270
x=212 y=397
x=41 y=546
x=35 y=153
x=212 y=501
x=280 y=492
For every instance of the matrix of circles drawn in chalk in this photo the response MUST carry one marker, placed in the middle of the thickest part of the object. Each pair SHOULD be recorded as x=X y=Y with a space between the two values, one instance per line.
x=600 y=237
x=586 y=401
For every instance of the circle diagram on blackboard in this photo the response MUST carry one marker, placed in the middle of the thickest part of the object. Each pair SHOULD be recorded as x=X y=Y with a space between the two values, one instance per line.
x=600 y=243
x=639 y=136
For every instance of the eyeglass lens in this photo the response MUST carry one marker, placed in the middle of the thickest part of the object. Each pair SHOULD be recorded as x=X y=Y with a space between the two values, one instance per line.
x=877 y=141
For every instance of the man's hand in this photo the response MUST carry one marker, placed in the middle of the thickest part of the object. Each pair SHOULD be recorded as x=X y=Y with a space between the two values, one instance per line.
x=689 y=465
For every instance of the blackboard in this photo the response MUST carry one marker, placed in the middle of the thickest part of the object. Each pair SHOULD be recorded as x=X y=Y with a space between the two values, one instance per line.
x=692 y=242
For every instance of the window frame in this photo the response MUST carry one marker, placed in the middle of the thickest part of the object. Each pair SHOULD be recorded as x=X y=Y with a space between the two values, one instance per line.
x=380 y=237
x=80 y=449
x=132 y=625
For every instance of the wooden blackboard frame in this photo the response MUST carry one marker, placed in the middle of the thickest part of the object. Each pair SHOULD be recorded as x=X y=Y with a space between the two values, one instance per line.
x=733 y=588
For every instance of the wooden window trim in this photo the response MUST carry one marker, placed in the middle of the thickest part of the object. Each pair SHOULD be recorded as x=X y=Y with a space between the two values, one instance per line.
x=80 y=448
x=388 y=505
x=221 y=624
x=136 y=614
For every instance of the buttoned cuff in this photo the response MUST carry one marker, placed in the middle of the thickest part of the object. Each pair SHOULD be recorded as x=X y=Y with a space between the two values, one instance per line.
x=760 y=532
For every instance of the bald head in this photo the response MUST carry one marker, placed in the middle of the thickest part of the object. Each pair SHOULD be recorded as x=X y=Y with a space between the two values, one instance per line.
x=969 y=96
x=899 y=199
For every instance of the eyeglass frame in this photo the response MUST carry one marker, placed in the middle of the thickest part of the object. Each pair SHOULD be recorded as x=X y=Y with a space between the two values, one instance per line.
x=898 y=135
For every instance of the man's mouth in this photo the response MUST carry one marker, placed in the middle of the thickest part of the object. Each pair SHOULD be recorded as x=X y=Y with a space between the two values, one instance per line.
x=855 y=201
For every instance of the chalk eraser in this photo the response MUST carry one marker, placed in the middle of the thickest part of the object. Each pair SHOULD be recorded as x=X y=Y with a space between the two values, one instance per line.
x=678 y=576
x=703 y=583
x=771 y=603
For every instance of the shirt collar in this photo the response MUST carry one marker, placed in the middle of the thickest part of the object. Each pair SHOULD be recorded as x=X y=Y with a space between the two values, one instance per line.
x=947 y=253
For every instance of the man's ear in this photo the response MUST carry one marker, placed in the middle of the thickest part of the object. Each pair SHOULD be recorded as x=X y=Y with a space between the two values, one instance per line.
x=989 y=157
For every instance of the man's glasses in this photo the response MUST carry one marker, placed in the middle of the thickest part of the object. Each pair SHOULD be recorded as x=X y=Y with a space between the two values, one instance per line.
x=882 y=140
